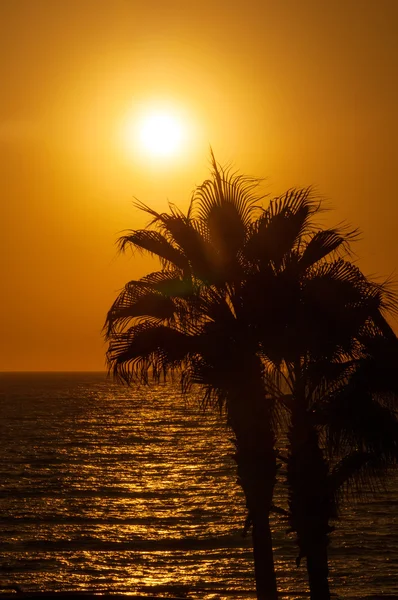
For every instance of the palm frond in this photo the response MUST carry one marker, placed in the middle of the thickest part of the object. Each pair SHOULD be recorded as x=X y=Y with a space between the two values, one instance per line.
x=279 y=229
x=358 y=475
x=323 y=243
x=152 y=295
x=223 y=207
x=377 y=368
x=226 y=188
x=146 y=349
x=155 y=244
x=338 y=305
x=356 y=419
x=170 y=283
x=150 y=304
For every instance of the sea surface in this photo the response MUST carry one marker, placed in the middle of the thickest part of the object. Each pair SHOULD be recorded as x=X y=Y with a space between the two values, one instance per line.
x=114 y=489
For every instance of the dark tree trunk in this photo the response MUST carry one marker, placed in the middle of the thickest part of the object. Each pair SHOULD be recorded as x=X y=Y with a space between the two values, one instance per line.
x=256 y=474
x=318 y=572
x=264 y=569
x=310 y=503
x=249 y=416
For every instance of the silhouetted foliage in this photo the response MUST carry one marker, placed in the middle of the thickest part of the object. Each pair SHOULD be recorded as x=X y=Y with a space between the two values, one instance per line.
x=262 y=309
x=190 y=318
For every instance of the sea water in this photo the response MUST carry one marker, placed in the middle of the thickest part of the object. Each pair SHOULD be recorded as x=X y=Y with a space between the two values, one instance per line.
x=108 y=488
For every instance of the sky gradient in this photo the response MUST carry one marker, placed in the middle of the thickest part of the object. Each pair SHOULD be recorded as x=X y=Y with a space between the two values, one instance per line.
x=297 y=92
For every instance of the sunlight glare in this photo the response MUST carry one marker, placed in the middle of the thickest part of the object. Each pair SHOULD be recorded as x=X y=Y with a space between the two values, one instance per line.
x=157 y=133
x=160 y=134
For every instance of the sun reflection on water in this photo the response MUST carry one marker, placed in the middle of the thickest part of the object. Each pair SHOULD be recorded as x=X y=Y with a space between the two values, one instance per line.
x=135 y=492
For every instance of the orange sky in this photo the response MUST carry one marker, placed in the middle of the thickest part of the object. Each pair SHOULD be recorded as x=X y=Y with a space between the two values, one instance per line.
x=301 y=92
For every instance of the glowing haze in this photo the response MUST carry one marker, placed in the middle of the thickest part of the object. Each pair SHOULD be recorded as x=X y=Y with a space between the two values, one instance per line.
x=158 y=131
x=106 y=101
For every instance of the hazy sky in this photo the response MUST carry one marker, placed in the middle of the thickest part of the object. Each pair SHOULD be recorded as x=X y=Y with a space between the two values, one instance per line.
x=298 y=91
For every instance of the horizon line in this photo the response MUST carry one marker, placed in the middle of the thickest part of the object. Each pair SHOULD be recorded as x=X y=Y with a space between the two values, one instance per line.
x=53 y=371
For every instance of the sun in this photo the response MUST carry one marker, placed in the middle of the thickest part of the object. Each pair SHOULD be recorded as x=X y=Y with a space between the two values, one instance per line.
x=160 y=134
x=155 y=133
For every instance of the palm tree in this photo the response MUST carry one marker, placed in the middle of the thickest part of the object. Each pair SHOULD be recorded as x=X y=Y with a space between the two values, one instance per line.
x=324 y=334
x=255 y=305
x=189 y=317
x=343 y=433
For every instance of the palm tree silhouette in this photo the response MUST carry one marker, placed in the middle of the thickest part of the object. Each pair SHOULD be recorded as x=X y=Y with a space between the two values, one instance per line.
x=343 y=432
x=191 y=317
x=334 y=354
x=263 y=310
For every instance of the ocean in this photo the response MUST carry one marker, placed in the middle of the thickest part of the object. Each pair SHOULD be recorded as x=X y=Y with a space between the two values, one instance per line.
x=109 y=488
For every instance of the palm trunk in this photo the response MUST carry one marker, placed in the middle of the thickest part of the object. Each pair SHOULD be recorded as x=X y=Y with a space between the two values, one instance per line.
x=318 y=571
x=309 y=502
x=256 y=462
x=264 y=569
